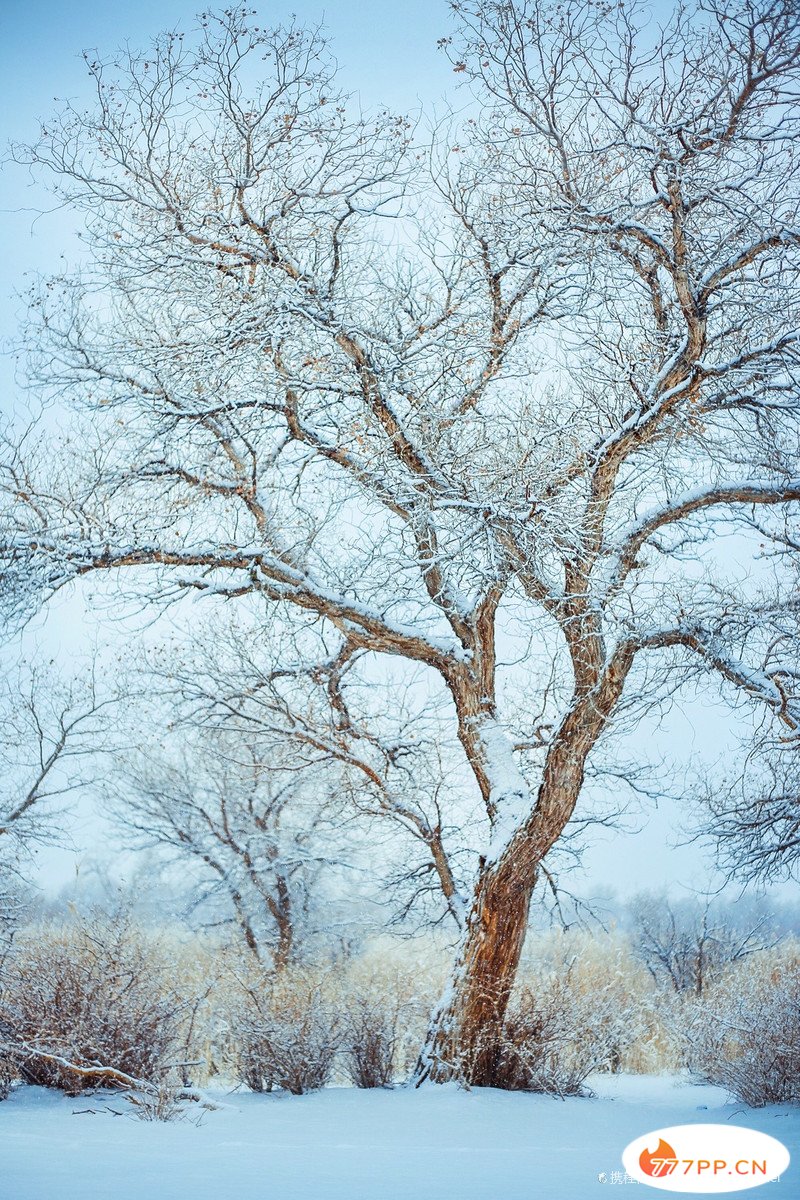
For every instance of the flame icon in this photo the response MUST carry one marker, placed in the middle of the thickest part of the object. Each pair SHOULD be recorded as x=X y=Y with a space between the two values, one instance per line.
x=661 y=1162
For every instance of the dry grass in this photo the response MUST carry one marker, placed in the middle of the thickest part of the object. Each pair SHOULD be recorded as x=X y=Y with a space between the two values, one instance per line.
x=176 y=1009
x=611 y=996
x=745 y=1035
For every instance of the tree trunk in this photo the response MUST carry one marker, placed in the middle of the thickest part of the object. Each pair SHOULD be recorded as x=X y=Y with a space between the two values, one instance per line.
x=281 y=909
x=466 y=1034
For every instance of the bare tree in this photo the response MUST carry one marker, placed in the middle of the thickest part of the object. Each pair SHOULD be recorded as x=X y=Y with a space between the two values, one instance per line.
x=686 y=945
x=47 y=724
x=260 y=829
x=382 y=748
x=520 y=401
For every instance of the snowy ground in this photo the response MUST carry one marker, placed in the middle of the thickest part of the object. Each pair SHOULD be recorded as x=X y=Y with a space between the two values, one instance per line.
x=342 y=1144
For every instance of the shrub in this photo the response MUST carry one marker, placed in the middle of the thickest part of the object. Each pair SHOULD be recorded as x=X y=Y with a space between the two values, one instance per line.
x=88 y=1004
x=610 y=1013
x=371 y=1038
x=8 y=1075
x=745 y=1035
x=583 y=1004
x=285 y=1033
x=389 y=993
x=554 y=1038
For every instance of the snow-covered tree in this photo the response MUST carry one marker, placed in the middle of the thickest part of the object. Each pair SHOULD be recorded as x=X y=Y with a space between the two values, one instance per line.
x=514 y=400
x=46 y=724
x=260 y=830
x=687 y=945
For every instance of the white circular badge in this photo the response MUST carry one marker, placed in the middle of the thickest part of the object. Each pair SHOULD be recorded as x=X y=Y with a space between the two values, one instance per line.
x=705 y=1158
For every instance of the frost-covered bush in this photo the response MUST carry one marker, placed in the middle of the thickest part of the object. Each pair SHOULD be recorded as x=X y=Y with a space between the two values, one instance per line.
x=609 y=1008
x=88 y=1004
x=370 y=1039
x=361 y=1021
x=555 y=1036
x=8 y=1074
x=745 y=1034
x=101 y=996
x=286 y=1033
x=388 y=994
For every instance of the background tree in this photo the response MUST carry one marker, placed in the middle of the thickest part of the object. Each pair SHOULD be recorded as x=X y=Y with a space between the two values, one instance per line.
x=46 y=725
x=381 y=746
x=261 y=830
x=686 y=945
x=512 y=411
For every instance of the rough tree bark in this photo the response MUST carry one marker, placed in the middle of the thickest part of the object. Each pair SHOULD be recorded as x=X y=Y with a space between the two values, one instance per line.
x=466 y=1035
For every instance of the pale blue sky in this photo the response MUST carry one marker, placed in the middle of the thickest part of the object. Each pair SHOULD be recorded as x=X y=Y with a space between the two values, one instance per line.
x=386 y=50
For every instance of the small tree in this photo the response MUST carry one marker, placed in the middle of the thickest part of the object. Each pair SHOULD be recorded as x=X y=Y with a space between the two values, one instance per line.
x=48 y=727
x=260 y=828
x=687 y=946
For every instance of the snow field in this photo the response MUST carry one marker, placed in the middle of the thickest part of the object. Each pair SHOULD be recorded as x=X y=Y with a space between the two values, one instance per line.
x=437 y=1143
